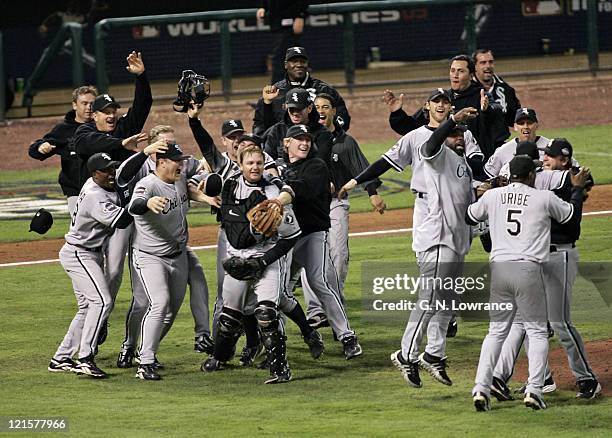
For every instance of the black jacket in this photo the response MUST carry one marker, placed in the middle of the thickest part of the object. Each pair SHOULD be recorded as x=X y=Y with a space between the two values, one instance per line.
x=276 y=10
x=88 y=140
x=322 y=144
x=61 y=137
x=266 y=117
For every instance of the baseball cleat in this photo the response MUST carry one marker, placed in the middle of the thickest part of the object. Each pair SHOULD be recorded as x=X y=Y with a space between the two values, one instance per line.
x=351 y=347
x=315 y=344
x=588 y=389
x=409 y=370
x=157 y=364
x=204 y=344
x=549 y=386
x=436 y=367
x=211 y=364
x=249 y=354
x=451 y=331
x=61 y=365
x=482 y=402
x=283 y=377
x=534 y=401
x=317 y=321
x=126 y=358
x=88 y=367
x=500 y=390
x=147 y=372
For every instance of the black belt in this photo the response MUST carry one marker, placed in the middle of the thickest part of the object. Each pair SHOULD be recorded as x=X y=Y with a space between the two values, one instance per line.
x=96 y=249
x=553 y=248
x=169 y=256
x=420 y=195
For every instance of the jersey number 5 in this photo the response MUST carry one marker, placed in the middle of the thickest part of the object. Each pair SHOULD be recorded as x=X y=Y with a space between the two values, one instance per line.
x=513 y=220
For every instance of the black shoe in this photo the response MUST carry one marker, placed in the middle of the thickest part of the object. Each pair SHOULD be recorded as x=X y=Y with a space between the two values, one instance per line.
x=351 y=347
x=315 y=344
x=436 y=367
x=211 y=364
x=157 y=364
x=283 y=377
x=549 y=386
x=534 y=401
x=147 y=372
x=103 y=333
x=500 y=390
x=249 y=354
x=88 y=367
x=204 y=344
x=126 y=358
x=451 y=332
x=588 y=389
x=317 y=321
x=61 y=365
x=482 y=403
x=409 y=370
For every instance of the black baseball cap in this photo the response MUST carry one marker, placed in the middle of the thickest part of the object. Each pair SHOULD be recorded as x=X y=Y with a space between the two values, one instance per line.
x=298 y=130
x=297 y=98
x=525 y=113
x=559 y=147
x=231 y=126
x=250 y=137
x=103 y=101
x=528 y=148
x=439 y=92
x=521 y=166
x=459 y=128
x=41 y=222
x=174 y=153
x=295 y=52
x=100 y=161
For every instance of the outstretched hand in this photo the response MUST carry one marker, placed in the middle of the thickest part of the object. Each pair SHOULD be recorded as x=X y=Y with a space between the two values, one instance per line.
x=465 y=114
x=135 y=64
x=392 y=102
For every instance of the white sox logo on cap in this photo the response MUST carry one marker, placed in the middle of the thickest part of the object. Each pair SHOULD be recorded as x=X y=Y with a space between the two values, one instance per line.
x=233 y=123
x=107 y=97
x=294 y=97
x=303 y=128
x=525 y=111
x=297 y=50
x=106 y=156
x=441 y=90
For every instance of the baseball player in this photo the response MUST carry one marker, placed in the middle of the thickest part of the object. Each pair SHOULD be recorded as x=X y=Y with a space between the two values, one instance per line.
x=119 y=138
x=559 y=275
x=501 y=94
x=347 y=161
x=519 y=217
x=58 y=141
x=270 y=109
x=129 y=173
x=159 y=205
x=239 y=196
x=96 y=214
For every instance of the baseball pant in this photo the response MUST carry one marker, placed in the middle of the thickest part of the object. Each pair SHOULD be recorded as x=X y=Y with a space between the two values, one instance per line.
x=311 y=252
x=93 y=299
x=521 y=285
x=165 y=282
x=237 y=293
x=115 y=251
x=198 y=294
x=429 y=315
x=338 y=250
x=221 y=255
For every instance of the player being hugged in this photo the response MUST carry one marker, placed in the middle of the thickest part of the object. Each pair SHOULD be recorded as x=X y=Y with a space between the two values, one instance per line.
x=95 y=217
x=256 y=265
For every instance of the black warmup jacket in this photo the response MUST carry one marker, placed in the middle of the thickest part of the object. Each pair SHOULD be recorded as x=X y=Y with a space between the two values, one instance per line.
x=61 y=137
x=276 y=10
x=268 y=115
x=88 y=140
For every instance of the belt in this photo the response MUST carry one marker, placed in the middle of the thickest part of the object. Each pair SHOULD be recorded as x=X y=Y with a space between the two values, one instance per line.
x=84 y=248
x=168 y=256
x=561 y=246
x=420 y=195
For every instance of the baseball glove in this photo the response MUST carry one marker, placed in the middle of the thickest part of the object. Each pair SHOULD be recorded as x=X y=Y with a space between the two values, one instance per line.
x=492 y=183
x=266 y=216
x=250 y=269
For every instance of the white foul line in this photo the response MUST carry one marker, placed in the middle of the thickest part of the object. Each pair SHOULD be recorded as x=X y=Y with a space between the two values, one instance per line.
x=362 y=234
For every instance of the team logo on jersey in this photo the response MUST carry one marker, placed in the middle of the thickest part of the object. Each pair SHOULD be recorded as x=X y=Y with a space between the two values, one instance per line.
x=335 y=157
x=289 y=219
x=233 y=124
x=462 y=171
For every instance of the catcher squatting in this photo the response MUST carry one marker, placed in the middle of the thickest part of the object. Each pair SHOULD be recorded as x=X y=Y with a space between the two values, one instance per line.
x=261 y=219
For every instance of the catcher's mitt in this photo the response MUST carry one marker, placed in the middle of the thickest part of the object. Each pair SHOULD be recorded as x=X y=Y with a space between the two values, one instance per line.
x=266 y=216
x=492 y=183
x=244 y=269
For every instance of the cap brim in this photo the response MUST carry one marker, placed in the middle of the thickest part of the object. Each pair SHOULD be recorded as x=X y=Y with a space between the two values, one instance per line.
x=233 y=131
x=531 y=119
x=109 y=105
x=307 y=134
x=297 y=56
x=179 y=158
x=295 y=105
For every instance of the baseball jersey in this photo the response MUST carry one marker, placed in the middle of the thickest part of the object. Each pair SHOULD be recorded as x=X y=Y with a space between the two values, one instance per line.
x=505 y=153
x=407 y=151
x=96 y=212
x=288 y=229
x=448 y=181
x=165 y=233
x=519 y=220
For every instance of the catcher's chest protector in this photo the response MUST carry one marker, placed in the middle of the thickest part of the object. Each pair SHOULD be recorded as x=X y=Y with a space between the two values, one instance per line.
x=233 y=215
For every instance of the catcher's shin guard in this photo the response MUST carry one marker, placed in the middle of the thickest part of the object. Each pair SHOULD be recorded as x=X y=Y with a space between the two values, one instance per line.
x=273 y=339
x=229 y=329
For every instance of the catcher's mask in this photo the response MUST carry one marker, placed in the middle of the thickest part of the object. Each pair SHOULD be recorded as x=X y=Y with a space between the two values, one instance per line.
x=191 y=86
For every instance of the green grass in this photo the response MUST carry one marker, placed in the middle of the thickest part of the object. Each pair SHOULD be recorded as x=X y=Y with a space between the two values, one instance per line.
x=329 y=397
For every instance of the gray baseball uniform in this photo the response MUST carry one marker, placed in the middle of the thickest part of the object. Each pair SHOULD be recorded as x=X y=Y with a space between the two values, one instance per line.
x=503 y=154
x=519 y=218
x=96 y=214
